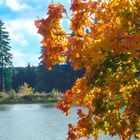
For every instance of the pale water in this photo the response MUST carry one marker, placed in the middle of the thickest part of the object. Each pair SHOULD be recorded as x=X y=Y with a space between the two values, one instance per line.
x=36 y=122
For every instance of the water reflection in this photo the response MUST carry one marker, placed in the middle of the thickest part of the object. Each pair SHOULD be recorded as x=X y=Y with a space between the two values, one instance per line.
x=52 y=105
x=5 y=107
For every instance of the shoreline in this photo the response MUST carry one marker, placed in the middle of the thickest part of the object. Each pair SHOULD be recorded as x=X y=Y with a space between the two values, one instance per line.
x=28 y=98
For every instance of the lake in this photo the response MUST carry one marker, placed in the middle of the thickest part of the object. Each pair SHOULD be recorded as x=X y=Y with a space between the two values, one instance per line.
x=36 y=122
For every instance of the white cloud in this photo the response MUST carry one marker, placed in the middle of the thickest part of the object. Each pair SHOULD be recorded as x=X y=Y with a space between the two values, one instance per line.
x=22 y=59
x=15 y=33
x=18 y=58
x=29 y=26
x=19 y=29
x=16 y=6
x=34 y=59
x=19 y=38
x=24 y=24
x=1 y=2
x=23 y=33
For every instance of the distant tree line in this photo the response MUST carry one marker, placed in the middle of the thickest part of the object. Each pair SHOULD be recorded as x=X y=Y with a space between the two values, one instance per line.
x=43 y=80
x=38 y=77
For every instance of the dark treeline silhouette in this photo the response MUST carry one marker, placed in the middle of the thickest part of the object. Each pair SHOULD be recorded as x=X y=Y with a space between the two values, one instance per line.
x=43 y=80
x=61 y=77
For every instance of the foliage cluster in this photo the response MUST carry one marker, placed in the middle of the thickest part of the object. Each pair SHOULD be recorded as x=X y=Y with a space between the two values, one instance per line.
x=105 y=40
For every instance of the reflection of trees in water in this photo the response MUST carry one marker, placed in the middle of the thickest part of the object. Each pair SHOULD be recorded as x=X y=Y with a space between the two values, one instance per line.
x=5 y=107
x=48 y=105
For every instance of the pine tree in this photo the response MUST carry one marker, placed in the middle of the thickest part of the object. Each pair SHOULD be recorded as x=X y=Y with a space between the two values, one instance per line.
x=42 y=52
x=5 y=58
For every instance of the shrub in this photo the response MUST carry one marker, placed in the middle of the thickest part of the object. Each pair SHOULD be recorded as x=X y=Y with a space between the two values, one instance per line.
x=55 y=94
x=12 y=94
x=25 y=89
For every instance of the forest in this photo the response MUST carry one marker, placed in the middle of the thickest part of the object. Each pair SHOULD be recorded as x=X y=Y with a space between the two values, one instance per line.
x=20 y=83
x=43 y=80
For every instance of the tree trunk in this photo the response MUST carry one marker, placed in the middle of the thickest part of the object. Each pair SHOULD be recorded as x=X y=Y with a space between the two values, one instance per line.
x=3 y=84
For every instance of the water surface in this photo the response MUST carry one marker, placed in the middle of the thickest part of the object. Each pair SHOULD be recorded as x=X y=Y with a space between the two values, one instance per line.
x=36 y=122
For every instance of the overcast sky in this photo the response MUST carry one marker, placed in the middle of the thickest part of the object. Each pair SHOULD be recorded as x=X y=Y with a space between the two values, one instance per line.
x=19 y=16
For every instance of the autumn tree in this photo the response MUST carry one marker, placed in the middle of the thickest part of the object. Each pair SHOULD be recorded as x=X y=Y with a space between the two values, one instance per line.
x=105 y=40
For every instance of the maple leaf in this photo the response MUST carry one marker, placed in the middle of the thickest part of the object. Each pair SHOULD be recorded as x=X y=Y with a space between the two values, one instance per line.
x=105 y=41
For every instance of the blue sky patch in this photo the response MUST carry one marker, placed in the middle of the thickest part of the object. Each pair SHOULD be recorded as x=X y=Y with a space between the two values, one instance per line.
x=19 y=16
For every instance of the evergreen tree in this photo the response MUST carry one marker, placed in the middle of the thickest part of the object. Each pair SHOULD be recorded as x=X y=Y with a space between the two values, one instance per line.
x=30 y=75
x=42 y=52
x=5 y=58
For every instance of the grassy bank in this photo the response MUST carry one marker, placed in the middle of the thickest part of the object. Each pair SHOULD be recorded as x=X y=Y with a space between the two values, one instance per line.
x=13 y=97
